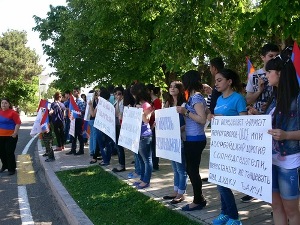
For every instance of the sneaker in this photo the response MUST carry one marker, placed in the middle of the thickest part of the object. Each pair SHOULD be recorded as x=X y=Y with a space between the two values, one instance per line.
x=247 y=199
x=233 y=222
x=220 y=220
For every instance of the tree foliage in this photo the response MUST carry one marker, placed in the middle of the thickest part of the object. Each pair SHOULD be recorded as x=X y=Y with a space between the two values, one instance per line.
x=117 y=41
x=18 y=68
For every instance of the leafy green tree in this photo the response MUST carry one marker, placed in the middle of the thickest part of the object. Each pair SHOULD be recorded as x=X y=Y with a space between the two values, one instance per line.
x=155 y=41
x=18 y=69
x=275 y=20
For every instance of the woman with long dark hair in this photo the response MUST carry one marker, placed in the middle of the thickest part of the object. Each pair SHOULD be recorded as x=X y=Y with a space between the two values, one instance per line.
x=285 y=110
x=230 y=103
x=177 y=98
x=195 y=112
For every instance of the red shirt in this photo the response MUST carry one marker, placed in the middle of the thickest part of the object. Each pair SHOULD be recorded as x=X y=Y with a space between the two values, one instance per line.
x=156 y=105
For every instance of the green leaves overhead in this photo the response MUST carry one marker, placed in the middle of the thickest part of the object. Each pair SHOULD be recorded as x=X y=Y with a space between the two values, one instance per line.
x=117 y=41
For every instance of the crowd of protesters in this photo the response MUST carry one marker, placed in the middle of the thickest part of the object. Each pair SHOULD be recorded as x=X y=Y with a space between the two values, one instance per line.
x=273 y=90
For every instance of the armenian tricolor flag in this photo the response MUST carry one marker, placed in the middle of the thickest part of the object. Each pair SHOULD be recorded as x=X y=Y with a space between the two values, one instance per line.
x=250 y=67
x=296 y=59
x=43 y=102
x=45 y=117
x=74 y=109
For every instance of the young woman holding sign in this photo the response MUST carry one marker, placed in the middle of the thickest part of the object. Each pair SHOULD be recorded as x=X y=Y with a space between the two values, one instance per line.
x=195 y=112
x=285 y=131
x=177 y=98
x=143 y=100
x=230 y=103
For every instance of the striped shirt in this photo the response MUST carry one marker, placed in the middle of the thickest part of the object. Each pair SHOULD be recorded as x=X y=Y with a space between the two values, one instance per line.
x=8 y=120
x=194 y=131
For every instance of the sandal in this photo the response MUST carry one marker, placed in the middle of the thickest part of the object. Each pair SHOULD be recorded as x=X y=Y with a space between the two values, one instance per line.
x=177 y=200
x=93 y=161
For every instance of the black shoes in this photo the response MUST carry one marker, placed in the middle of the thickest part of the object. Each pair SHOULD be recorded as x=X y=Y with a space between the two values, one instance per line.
x=93 y=161
x=198 y=207
x=50 y=160
x=169 y=197
x=75 y=153
x=247 y=199
x=70 y=153
x=11 y=173
x=79 y=153
x=116 y=170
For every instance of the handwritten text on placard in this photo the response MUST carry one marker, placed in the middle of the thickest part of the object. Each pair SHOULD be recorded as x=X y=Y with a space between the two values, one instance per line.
x=241 y=154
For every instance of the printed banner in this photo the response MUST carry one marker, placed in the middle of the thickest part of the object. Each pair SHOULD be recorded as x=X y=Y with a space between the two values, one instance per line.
x=130 y=132
x=167 y=131
x=241 y=154
x=105 y=119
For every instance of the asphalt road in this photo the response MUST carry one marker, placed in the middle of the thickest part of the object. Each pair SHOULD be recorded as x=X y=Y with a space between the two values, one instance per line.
x=44 y=210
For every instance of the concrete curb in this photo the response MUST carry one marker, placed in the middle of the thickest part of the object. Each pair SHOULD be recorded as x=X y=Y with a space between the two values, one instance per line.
x=74 y=215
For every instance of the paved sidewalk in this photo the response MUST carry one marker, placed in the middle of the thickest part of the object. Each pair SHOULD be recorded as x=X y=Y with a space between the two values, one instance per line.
x=254 y=213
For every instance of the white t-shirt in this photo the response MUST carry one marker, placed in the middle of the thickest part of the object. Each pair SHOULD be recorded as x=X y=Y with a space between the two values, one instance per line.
x=252 y=86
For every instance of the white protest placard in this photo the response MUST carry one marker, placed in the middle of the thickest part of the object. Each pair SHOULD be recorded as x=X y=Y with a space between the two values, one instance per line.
x=89 y=98
x=241 y=154
x=167 y=131
x=105 y=119
x=36 y=129
x=130 y=132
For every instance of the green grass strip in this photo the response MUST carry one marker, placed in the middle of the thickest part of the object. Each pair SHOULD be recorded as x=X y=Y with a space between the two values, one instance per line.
x=107 y=200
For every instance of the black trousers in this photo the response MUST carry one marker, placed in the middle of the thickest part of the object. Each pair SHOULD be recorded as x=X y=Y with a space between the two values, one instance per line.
x=78 y=135
x=7 y=152
x=193 y=151
x=59 y=130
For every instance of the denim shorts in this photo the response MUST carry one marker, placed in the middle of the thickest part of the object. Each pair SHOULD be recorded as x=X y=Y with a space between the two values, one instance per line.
x=286 y=182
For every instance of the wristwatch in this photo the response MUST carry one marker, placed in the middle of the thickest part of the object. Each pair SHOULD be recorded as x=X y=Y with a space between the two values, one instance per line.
x=187 y=113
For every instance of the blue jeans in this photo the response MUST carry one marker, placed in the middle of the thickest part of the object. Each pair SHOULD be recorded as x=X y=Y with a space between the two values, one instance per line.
x=145 y=158
x=93 y=137
x=228 y=206
x=105 y=144
x=180 y=175
x=285 y=182
x=137 y=165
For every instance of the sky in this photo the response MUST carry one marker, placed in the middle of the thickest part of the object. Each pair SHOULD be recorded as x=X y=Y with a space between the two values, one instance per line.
x=18 y=15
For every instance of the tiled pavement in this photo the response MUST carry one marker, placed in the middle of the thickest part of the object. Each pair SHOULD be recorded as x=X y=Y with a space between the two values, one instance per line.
x=254 y=213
